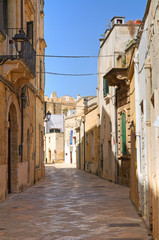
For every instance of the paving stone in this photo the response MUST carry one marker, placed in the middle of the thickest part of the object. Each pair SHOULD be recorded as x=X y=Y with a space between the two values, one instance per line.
x=71 y=204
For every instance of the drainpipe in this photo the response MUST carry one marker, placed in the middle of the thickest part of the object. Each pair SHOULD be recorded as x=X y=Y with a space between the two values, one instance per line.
x=138 y=125
x=21 y=14
x=79 y=150
x=22 y=121
x=84 y=146
x=148 y=142
x=35 y=93
x=116 y=140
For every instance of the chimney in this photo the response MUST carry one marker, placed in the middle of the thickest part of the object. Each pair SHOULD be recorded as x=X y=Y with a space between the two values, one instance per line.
x=117 y=20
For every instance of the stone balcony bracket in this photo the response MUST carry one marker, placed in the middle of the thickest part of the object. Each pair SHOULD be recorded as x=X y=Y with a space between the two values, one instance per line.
x=117 y=77
x=16 y=70
x=124 y=157
x=2 y=36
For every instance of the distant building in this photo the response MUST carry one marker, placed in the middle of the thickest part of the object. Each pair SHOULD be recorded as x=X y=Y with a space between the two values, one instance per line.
x=54 y=139
x=91 y=136
x=59 y=105
x=85 y=120
x=55 y=124
x=70 y=138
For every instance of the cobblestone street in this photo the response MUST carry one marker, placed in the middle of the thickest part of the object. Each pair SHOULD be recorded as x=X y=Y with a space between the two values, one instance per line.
x=71 y=204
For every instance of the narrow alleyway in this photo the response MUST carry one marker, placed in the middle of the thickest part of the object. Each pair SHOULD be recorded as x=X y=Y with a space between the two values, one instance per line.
x=71 y=204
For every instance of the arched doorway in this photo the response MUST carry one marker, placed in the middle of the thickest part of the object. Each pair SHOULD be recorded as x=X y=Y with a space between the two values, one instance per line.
x=12 y=149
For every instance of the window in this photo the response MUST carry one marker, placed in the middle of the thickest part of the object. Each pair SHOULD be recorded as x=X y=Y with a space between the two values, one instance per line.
x=123 y=132
x=30 y=31
x=3 y=16
x=54 y=130
x=105 y=87
x=119 y=21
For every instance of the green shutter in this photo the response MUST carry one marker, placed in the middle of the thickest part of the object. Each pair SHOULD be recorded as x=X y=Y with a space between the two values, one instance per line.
x=44 y=130
x=123 y=132
x=105 y=87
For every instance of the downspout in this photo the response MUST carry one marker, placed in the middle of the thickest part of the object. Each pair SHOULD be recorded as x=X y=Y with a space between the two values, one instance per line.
x=116 y=140
x=21 y=14
x=22 y=121
x=148 y=137
x=84 y=146
x=22 y=95
x=138 y=125
x=79 y=150
x=35 y=93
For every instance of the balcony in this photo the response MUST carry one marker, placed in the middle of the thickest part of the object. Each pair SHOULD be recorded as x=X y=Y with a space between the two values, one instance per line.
x=17 y=64
x=117 y=77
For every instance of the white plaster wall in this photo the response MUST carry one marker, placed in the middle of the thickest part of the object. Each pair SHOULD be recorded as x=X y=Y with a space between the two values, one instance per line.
x=70 y=124
x=141 y=120
x=56 y=121
x=50 y=145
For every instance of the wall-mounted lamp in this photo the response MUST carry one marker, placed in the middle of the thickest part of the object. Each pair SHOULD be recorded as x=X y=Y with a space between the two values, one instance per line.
x=85 y=101
x=19 y=39
x=48 y=116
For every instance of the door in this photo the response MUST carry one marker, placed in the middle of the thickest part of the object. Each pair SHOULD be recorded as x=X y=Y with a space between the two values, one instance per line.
x=49 y=156
x=71 y=157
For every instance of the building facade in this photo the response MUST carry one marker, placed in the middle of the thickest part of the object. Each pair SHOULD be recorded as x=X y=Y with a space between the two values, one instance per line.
x=70 y=137
x=134 y=196
x=54 y=139
x=83 y=131
x=59 y=105
x=91 y=136
x=21 y=91
x=113 y=47
x=147 y=112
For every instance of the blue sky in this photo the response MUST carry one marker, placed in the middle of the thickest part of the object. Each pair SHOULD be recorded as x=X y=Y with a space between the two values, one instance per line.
x=73 y=27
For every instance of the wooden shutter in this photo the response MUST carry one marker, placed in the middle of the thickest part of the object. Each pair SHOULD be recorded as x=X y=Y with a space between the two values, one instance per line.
x=105 y=87
x=123 y=131
x=30 y=31
x=3 y=16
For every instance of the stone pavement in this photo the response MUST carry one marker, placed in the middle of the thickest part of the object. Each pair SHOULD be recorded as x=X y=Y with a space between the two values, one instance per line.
x=70 y=205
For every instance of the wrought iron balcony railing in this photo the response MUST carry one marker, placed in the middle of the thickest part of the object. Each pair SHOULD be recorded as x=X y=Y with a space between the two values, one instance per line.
x=28 y=55
x=8 y=50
